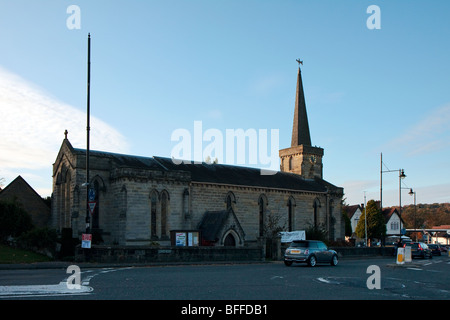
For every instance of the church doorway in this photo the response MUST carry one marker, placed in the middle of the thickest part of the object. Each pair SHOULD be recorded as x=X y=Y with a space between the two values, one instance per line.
x=229 y=241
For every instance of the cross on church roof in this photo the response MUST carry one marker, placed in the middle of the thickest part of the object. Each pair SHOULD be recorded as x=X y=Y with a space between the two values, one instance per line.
x=65 y=134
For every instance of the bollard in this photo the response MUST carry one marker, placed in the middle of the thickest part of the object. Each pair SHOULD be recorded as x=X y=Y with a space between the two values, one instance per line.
x=408 y=254
x=400 y=255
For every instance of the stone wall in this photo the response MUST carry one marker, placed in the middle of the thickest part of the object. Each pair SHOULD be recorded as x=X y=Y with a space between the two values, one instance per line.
x=146 y=254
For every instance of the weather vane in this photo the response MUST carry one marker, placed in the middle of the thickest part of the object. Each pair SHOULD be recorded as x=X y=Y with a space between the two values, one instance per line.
x=300 y=62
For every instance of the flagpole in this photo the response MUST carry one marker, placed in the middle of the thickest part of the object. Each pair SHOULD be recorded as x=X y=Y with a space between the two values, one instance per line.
x=88 y=218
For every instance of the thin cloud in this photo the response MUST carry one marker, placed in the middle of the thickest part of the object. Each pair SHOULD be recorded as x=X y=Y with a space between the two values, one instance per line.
x=432 y=134
x=33 y=124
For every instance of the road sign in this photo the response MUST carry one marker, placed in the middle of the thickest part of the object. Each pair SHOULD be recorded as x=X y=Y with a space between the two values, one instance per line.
x=92 y=205
x=91 y=194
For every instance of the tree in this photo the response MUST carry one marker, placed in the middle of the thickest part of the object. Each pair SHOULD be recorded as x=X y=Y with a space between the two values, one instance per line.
x=347 y=224
x=376 y=228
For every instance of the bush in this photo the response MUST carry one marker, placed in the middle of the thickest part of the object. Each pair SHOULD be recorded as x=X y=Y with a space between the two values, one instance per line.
x=39 y=238
x=317 y=233
x=14 y=220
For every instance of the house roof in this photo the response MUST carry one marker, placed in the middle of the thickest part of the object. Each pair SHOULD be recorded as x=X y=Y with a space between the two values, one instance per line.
x=31 y=201
x=389 y=212
x=350 y=210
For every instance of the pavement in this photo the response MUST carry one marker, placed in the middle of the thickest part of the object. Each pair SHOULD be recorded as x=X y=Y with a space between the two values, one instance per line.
x=86 y=265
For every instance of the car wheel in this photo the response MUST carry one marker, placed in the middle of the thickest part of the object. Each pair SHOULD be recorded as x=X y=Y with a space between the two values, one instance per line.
x=334 y=260
x=312 y=261
x=288 y=263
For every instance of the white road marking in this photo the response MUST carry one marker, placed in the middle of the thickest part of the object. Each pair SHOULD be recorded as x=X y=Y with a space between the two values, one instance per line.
x=323 y=280
x=52 y=289
x=42 y=290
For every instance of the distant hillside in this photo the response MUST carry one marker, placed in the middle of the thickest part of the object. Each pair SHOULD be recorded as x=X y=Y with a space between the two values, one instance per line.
x=427 y=215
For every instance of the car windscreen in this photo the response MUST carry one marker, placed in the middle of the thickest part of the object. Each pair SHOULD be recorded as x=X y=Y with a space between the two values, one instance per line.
x=299 y=244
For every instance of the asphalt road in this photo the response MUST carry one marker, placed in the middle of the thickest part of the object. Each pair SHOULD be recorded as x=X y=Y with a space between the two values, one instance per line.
x=351 y=279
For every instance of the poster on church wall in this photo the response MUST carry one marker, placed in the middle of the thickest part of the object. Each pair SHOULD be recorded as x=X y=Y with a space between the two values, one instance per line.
x=180 y=239
x=192 y=239
x=86 y=240
x=287 y=237
x=185 y=238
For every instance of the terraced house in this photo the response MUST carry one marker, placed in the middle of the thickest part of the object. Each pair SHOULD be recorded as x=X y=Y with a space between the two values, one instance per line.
x=143 y=200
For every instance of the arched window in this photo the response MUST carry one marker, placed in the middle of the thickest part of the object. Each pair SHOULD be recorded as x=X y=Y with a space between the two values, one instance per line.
x=96 y=213
x=164 y=213
x=262 y=205
x=230 y=200
x=291 y=205
x=123 y=202
x=67 y=198
x=331 y=219
x=98 y=186
x=153 y=204
x=316 y=206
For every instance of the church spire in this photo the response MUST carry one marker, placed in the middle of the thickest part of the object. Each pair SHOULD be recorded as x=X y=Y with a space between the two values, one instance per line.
x=301 y=157
x=300 y=128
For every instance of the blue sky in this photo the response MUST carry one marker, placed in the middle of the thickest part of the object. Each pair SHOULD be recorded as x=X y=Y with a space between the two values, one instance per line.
x=158 y=66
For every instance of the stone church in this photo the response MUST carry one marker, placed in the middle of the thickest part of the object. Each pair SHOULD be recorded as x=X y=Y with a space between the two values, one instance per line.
x=147 y=200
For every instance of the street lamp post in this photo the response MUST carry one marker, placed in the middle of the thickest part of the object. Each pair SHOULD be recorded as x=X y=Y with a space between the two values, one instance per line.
x=401 y=175
x=365 y=219
x=411 y=192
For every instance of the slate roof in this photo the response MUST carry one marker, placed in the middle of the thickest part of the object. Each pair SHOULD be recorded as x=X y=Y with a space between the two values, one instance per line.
x=211 y=224
x=246 y=176
x=124 y=160
x=217 y=173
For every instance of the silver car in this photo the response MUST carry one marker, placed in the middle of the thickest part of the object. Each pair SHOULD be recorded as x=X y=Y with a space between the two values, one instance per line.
x=311 y=252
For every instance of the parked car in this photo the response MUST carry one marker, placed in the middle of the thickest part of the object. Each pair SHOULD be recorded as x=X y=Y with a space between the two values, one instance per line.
x=419 y=250
x=436 y=249
x=310 y=252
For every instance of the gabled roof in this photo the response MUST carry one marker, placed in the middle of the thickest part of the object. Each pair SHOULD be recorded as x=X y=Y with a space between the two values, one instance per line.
x=389 y=212
x=350 y=210
x=213 y=223
x=19 y=190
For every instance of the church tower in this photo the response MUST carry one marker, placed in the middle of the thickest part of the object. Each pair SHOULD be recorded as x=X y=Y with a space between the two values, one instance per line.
x=301 y=158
